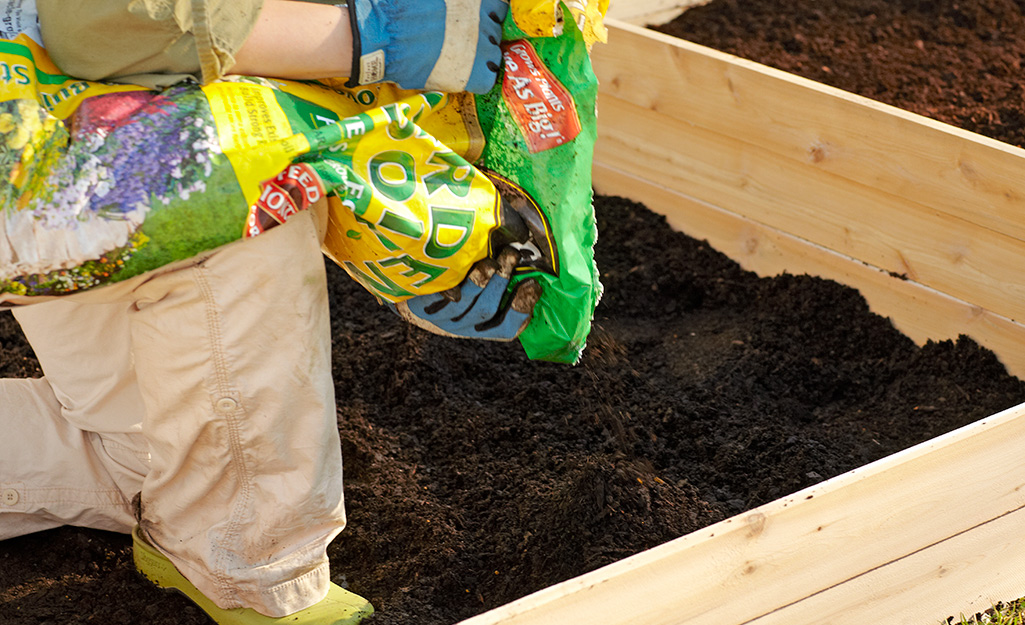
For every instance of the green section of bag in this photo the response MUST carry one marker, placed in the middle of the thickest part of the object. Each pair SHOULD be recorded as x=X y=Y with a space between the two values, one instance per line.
x=558 y=179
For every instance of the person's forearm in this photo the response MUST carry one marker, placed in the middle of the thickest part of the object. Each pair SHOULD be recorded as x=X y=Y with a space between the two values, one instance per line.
x=297 y=40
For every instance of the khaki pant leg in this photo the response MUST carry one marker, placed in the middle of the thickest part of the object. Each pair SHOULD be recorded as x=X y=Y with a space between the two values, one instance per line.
x=233 y=360
x=72 y=452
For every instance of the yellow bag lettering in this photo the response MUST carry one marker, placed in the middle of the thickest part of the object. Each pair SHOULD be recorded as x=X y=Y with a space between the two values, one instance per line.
x=434 y=98
x=457 y=175
x=18 y=74
x=393 y=173
x=432 y=272
x=372 y=227
x=400 y=224
x=323 y=120
x=401 y=126
x=356 y=126
x=355 y=198
x=448 y=224
x=366 y=97
x=51 y=100
x=383 y=285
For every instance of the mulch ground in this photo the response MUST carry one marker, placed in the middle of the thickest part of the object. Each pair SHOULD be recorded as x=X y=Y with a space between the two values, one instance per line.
x=475 y=476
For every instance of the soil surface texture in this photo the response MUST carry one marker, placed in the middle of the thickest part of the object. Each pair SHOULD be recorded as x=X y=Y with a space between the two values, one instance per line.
x=955 y=61
x=474 y=476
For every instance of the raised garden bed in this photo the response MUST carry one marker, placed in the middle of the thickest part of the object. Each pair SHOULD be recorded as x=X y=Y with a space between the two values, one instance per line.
x=787 y=175
x=817 y=176
x=475 y=477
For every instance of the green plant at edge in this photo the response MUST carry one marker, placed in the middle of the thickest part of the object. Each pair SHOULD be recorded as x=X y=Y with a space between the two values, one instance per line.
x=1012 y=613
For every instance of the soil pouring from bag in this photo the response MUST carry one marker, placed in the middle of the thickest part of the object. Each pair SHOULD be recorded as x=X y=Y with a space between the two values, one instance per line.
x=475 y=476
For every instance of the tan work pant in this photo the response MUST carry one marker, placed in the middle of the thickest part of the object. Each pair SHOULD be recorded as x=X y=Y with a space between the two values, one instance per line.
x=206 y=387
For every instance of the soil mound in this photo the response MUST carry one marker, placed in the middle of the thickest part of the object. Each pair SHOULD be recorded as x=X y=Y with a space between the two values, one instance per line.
x=475 y=476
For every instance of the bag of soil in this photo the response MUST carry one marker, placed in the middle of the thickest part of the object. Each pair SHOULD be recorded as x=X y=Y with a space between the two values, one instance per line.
x=103 y=182
x=539 y=125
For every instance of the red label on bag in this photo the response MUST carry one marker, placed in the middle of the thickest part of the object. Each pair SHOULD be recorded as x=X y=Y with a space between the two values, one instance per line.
x=541 y=106
x=293 y=190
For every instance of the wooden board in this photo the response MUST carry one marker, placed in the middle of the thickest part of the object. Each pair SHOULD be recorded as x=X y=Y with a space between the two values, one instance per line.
x=920 y=312
x=909 y=539
x=882 y=147
x=906 y=238
x=878 y=187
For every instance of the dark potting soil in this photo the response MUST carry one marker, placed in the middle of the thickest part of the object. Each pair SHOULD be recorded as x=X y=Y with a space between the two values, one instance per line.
x=956 y=61
x=475 y=476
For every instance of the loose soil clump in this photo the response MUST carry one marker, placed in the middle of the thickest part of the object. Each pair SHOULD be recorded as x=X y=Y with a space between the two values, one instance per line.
x=474 y=476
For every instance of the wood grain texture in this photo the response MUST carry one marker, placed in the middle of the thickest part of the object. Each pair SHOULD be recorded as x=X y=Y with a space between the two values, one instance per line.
x=947 y=169
x=876 y=186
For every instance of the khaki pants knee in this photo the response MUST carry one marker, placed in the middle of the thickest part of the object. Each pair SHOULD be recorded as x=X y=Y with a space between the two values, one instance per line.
x=227 y=380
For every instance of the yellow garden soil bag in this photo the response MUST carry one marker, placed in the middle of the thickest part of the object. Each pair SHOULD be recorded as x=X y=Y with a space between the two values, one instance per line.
x=102 y=182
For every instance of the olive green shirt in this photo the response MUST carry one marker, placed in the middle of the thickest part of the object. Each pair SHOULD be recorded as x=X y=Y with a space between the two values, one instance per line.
x=153 y=43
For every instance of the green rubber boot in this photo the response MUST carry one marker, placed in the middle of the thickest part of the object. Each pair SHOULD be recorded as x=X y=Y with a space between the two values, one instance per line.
x=340 y=607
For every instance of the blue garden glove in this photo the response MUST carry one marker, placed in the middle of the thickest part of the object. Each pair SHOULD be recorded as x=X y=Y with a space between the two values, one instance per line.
x=438 y=45
x=474 y=310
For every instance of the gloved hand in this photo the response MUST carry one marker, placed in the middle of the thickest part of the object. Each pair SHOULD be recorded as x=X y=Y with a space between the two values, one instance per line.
x=474 y=309
x=442 y=45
